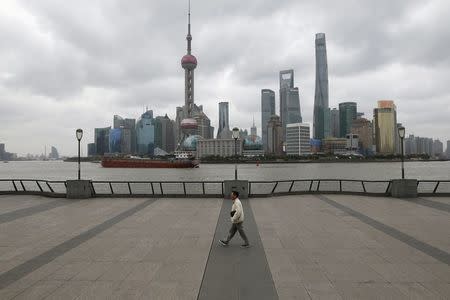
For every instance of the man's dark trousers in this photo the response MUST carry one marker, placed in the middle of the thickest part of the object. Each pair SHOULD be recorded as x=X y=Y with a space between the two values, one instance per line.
x=237 y=227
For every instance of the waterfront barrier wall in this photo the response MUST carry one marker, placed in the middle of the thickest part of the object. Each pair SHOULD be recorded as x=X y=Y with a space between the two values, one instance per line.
x=216 y=189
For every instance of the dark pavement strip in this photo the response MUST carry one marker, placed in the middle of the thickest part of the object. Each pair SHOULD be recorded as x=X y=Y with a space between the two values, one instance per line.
x=33 y=264
x=429 y=203
x=235 y=273
x=28 y=211
x=391 y=231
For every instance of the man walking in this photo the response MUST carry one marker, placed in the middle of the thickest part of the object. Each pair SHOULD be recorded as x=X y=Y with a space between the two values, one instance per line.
x=237 y=220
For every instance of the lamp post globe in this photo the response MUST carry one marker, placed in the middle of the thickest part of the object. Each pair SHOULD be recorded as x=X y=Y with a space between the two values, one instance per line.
x=79 y=135
x=235 y=133
x=401 y=134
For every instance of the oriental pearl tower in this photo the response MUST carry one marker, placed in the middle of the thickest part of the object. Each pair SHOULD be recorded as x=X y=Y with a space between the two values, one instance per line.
x=189 y=125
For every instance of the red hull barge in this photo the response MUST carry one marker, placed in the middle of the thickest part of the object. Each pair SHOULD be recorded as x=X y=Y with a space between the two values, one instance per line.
x=108 y=162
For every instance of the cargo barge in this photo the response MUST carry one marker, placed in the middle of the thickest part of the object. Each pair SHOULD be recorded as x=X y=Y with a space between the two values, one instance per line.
x=115 y=162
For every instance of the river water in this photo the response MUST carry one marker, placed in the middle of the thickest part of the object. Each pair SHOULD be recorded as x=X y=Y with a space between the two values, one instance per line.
x=59 y=170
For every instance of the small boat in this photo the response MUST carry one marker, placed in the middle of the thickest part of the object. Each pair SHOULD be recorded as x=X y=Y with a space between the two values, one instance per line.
x=137 y=162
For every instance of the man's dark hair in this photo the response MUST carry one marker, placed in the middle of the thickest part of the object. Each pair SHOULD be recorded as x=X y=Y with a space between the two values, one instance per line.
x=236 y=193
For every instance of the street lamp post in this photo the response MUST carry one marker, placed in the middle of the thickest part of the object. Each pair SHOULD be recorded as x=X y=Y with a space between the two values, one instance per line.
x=401 y=133
x=79 y=134
x=235 y=137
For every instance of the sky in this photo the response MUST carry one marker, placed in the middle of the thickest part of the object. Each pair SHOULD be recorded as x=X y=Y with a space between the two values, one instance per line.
x=75 y=64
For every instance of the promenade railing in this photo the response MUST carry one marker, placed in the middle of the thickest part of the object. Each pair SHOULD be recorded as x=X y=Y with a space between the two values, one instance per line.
x=215 y=189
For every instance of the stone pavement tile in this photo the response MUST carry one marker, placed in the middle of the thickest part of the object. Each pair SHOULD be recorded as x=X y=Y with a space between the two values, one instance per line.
x=311 y=273
x=93 y=271
x=68 y=271
x=222 y=290
x=118 y=271
x=297 y=292
x=416 y=290
x=443 y=289
x=356 y=272
x=180 y=272
x=16 y=288
x=143 y=271
x=322 y=290
x=99 y=290
x=440 y=271
x=368 y=290
x=170 y=290
x=40 y=290
x=69 y=290
x=404 y=273
x=158 y=253
x=129 y=289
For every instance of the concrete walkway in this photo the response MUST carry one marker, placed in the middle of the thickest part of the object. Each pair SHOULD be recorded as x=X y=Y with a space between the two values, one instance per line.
x=304 y=247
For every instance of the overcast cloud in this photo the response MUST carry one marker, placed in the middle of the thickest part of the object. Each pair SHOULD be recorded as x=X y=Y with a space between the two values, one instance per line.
x=74 y=64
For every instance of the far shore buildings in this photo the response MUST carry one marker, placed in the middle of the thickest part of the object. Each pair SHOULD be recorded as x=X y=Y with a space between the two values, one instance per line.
x=219 y=147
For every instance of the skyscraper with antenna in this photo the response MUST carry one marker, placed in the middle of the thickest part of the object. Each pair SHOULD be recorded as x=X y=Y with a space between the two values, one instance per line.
x=192 y=122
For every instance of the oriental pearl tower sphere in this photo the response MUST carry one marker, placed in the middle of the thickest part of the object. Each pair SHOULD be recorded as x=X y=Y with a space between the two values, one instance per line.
x=189 y=125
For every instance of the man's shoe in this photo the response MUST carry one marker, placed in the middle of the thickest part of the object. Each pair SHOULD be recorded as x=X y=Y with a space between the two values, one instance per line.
x=223 y=243
x=245 y=246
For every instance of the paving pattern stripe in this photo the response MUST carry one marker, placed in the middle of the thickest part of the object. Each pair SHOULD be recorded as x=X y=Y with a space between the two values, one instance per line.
x=430 y=203
x=428 y=249
x=28 y=211
x=33 y=264
x=235 y=273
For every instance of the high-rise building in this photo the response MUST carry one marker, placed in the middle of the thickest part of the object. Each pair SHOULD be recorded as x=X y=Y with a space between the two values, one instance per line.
x=224 y=132
x=447 y=150
x=91 y=149
x=115 y=140
x=53 y=153
x=334 y=123
x=145 y=134
x=385 y=127
x=438 y=148
x=289 y=100
x=2 y=151
x=253 y=132
x=118 y=122
x=267 y=110
x=347 y=113
x=410 y=145
x=164 y=133
x=275 y=136
x=363 y=128
x=321 y=92
x=128 y=138
x=298 y=139
x=101 y=137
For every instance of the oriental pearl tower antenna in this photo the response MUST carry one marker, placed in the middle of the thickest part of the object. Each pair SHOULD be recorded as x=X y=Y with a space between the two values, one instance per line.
x=189 y=63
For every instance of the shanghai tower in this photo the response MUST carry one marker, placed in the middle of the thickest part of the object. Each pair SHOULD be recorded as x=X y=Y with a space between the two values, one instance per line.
x=321 y=95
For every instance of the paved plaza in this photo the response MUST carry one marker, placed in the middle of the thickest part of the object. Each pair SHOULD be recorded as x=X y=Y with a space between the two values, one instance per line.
x=303 y=247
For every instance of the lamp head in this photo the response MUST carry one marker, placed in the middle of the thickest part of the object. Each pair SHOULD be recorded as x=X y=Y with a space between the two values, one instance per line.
x=235 y=133
x=79 y=134
x=401 y=132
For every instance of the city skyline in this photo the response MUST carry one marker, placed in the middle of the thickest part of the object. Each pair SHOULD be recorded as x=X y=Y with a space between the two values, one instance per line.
x=61 y=63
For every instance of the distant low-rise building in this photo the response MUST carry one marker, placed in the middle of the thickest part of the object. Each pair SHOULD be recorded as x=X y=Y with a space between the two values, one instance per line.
x=218 y=147
x=274 y=136
x=334 y=145
x=298 y=139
